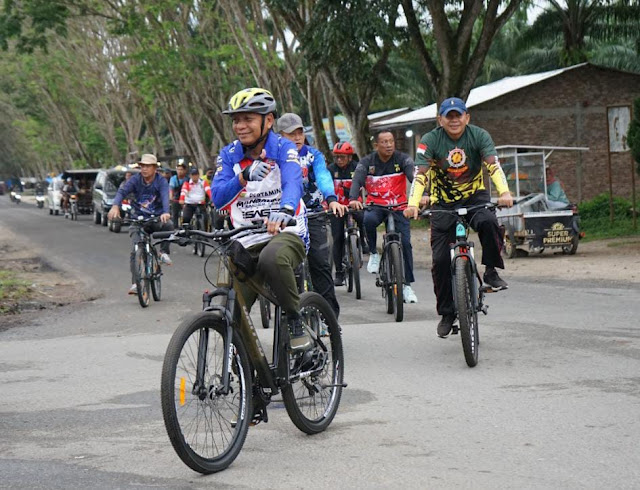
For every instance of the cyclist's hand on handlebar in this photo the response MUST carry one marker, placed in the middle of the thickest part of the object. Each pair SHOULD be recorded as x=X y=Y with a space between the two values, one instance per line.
x=355 y=205
x=505 y=199
x=278 y=220
x=411 y=212
x=114 y=213
x=337 y=209
x=165 y=217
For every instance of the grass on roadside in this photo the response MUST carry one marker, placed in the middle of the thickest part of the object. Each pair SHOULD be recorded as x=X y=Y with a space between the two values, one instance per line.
x=12 y=290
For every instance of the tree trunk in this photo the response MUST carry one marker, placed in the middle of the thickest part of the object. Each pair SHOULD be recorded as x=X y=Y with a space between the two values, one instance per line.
x=316 y=118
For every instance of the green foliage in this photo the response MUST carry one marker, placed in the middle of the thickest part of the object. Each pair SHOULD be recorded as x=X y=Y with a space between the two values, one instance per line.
x=12 y=290
x=598 y=207
x=31 y=23
x=633 y=135
x=595 y=220
x=578 y=24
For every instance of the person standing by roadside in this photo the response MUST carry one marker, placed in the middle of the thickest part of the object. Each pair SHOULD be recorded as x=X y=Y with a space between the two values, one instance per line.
x=318 y=186
x=451 y=158
x=384 y=174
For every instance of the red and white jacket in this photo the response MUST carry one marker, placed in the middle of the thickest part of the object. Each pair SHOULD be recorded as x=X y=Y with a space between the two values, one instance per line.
x=195 y=192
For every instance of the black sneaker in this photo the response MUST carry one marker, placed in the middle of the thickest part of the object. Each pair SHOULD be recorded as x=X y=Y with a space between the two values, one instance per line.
x=445 y=325
x=339 y=280
x=300 y=340
x=492 y=278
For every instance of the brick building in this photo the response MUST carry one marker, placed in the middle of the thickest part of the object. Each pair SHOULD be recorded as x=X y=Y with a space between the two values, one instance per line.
x=566 y=107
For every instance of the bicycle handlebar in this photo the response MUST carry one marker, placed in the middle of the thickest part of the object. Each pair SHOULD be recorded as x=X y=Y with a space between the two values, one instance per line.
x=461 y=211
x=388 y=207
x=140 y=220
x=213 y=235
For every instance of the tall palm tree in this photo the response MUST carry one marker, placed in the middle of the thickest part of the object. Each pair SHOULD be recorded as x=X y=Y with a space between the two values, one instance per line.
x=574 y=22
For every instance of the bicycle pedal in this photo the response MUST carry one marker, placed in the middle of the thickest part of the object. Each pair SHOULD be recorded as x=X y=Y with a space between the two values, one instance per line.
x=455 y=329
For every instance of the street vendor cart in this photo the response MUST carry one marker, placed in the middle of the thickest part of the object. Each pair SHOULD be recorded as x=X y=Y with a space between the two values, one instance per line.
x=535 y=222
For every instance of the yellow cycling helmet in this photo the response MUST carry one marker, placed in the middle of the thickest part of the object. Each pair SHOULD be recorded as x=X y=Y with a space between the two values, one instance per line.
x=257 y=100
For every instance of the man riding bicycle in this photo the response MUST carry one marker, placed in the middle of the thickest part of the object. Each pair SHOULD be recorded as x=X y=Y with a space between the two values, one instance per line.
x=151 y=192
x=194 y=193
x=260 y=177
x=175 y=187
x=318 y=186
x=450 y=160
x=342 y=171
x=384 y=174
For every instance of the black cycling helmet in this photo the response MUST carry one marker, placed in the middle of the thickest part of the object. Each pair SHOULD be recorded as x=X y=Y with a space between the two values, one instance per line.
x=258 y=100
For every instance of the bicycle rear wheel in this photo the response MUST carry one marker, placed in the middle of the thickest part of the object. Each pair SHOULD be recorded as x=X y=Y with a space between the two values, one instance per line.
x=316 y=376
x=396 y=281
x=207 y=428
x=467 y=315
x=265 y=311
x=356 y=263
x=142 y=280
x=156 y=278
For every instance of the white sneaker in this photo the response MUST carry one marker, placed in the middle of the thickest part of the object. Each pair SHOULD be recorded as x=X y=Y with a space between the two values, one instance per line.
x=165 y=259
x=133 y=289
x=408 y=294
x=374 y=263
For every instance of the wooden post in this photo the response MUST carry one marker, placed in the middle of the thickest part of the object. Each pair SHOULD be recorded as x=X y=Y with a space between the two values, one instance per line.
x=633 y=191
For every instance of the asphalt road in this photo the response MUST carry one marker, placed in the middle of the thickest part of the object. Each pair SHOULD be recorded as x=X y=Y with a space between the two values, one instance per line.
x=553 y=403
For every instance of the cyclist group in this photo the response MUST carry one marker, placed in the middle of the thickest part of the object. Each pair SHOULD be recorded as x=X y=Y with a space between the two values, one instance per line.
x=278 y=177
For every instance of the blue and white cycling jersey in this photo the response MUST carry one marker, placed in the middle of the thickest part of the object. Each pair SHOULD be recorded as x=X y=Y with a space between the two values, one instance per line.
x=281 y=187
x=317 y=180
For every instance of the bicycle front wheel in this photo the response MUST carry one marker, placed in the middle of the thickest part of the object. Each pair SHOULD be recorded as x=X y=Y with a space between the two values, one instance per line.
x=316 y=376
x=156 y=278
x=200 y=245
x=356 y=263
x=467 y=315
x=396 y=281
x=142 y=280
x=348 y=264
x=207 y=428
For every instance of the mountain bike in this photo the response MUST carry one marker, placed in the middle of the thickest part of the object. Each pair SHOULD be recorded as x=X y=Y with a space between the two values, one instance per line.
x=468 y=292
x=352 y=255
x=147 y=271
x=390 y=275
x=198 y=222
x=217 y=379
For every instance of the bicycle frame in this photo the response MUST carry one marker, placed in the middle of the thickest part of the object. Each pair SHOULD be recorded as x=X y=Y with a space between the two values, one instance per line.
x=235 y=315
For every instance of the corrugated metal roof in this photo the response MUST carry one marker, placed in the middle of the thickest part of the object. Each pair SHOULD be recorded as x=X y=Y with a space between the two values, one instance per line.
x=477 y=96
x=378 y=115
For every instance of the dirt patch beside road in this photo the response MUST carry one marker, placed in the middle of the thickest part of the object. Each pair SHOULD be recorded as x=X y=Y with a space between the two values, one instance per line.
x=40 y=286
x=615 y=260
